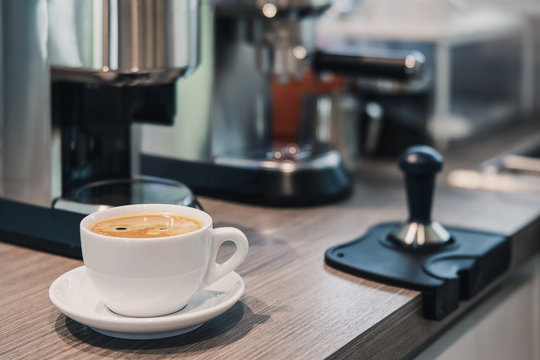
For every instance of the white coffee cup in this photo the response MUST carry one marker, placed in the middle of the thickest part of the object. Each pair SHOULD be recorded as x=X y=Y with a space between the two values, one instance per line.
x=145 y=277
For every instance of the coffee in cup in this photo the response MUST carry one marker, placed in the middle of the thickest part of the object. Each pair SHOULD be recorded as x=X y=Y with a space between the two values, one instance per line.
x=143 y=275
x=145 y=225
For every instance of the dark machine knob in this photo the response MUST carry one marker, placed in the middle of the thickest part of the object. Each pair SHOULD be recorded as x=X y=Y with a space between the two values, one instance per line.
x=419 y=165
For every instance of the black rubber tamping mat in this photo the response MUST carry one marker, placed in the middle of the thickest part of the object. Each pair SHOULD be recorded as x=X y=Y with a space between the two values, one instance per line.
x=446 y=275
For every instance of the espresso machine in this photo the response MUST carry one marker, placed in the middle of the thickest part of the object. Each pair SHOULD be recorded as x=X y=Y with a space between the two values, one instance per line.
x=229 y=149
x=76 y=77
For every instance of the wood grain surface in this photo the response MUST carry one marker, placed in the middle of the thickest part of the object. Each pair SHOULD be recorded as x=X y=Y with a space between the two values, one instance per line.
x=294 y=306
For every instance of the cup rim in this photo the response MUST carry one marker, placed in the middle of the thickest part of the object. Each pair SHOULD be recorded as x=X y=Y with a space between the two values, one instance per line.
x=90 y=218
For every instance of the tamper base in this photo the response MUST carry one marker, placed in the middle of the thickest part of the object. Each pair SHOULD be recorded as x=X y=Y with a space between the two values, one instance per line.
x=457 y=271
x=414 y=234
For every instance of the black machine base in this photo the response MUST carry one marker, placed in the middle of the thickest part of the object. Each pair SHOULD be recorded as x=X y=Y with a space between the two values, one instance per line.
x=48 y=229
x=51 y=230
x=254 y=185
x=445 y=275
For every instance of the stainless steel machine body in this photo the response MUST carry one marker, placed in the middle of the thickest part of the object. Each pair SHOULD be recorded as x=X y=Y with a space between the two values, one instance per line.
x=254 y=43
x=78 y=53
x=235 y=155
x=122 y=41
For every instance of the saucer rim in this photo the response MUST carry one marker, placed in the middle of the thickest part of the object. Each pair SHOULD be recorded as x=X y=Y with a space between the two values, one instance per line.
x=147 y=325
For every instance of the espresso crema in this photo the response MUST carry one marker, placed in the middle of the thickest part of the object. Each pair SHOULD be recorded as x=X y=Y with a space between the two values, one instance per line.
x=145 y=225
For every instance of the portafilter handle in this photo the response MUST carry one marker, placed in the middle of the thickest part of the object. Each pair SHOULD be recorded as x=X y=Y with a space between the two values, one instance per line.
x=420 y=165
x=395 y=65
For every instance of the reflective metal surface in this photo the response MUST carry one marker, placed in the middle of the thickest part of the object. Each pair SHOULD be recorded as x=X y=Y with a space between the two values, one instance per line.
x=414 y=234
x=324 y=161
x=330 y=121
x=123 y=41
x=27 y=173
x=241 y=93
x=286 y=46
x=282 y=31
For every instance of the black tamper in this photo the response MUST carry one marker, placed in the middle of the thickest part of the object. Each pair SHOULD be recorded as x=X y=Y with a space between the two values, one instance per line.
x=420 y=165
x=447 y=266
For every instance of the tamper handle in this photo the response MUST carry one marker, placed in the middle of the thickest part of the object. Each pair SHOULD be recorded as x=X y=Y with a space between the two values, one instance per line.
x=420 y=164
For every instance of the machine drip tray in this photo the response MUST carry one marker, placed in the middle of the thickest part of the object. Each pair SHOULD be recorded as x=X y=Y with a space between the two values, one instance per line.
x=445 y=275
x=116 y=192
x=269 y=183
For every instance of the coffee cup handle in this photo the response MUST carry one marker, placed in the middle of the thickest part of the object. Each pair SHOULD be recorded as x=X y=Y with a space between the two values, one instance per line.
x=220 y=235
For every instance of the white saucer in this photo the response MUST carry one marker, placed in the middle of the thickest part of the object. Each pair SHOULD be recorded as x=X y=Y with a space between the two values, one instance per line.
x=73 y=295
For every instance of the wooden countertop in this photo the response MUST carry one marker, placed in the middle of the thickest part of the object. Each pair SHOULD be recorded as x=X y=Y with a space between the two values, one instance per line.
x=294 y=305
